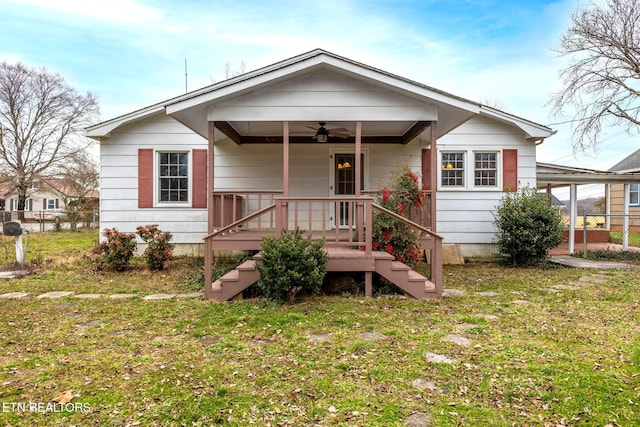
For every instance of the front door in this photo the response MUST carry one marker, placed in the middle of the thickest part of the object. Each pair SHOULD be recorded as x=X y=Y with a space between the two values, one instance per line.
x=344 y=184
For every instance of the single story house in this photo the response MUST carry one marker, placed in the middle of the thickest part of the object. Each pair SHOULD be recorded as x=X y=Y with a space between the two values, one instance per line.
x=267 y=150
x=625 y=199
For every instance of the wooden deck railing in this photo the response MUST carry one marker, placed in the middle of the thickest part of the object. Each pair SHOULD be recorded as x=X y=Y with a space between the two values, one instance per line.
x=341 y=221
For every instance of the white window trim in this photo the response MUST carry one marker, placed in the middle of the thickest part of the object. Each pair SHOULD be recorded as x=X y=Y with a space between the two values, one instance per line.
x=156 y=178
x=498 y=185
x=634 y=205
x=469 y=170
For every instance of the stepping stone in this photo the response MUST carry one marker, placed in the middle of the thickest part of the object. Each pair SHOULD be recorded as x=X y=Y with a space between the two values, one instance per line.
x=191 y=295
x=14 y=295
x=521 y=302
x=488 y=316
x=156 y=297
x=592 y=279
x=55 y=294
x=423 y=384
x=90 y=324
x=88 y=296
x=461 y=327
x=13 y=274
x=418 y=419
x=319 y=338
x=371 y=336
x=209 y=340
x=565 y=287
x=438 y=358
x=122 y=296
x=487 y=294
x=549 y=290
x=452 y=293
x=456 y=339
x=261 y=342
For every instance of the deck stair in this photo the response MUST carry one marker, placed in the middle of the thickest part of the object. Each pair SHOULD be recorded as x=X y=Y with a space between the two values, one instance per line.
x=235 y=281
x=339 y=259
x=405 y=278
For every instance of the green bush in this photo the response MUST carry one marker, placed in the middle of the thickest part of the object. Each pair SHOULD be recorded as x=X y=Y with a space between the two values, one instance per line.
x=158 y=250
x=527 y=226
x=290 y=264
x=114 y=254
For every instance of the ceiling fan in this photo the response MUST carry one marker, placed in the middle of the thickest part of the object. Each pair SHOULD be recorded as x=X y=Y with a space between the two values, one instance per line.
x=322 y=133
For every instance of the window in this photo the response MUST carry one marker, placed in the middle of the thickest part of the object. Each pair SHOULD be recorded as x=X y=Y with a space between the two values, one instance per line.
x=173 y=177
x=485 y=169
x=452 y=169
x=634 y=194
x=50 y=204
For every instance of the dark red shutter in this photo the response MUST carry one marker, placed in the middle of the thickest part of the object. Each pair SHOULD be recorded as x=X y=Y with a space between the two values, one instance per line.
x=199 y=199
x=426 y=169
x=145 y=178
x=509 y=170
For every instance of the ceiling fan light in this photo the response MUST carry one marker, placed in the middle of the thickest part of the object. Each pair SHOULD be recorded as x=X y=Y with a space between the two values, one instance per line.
x=322 y=137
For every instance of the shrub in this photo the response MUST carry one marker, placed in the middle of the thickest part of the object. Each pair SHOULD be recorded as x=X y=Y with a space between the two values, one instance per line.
x=158 y=250
x=527 y=226
x=402 y=195
x=291 y=263
x=114 y=254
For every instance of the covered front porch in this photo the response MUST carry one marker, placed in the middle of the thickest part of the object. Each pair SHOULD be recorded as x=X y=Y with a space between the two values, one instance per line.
x=348 y=247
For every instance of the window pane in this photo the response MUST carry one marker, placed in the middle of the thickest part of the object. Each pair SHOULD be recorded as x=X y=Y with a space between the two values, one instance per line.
x=452 y=169
x=173 y=173
x=634 y=194
x=485 y=172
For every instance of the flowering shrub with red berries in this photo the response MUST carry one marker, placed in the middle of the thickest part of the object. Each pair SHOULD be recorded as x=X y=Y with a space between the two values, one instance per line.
x=402 y=194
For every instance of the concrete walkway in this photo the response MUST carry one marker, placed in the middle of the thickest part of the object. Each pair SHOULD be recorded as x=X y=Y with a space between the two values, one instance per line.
x=575 y=262
x=64 y=294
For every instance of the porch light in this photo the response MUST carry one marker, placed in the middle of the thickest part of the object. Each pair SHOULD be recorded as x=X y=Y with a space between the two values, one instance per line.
x=322 y=135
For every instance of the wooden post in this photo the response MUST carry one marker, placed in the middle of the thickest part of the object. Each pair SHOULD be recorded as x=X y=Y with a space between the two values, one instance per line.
x=208 y=244
x=434 y=176
x=285 y=159
x=359 y=208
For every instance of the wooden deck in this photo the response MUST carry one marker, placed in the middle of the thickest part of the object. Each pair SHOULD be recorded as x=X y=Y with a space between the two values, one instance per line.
x=349 y=249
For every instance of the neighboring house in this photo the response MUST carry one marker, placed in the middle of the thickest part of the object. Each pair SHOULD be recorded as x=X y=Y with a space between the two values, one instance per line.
x=275 y=143
x=630 y=164
x=47 y=197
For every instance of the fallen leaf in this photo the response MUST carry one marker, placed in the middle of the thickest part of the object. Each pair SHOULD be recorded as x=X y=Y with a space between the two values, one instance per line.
x=64 y=397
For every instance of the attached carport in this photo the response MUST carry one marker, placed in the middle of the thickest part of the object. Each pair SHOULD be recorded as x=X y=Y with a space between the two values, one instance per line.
x=550 y=176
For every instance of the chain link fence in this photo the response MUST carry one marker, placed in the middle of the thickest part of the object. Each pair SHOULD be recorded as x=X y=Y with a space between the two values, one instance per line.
x=599 y=229
x=53 y=219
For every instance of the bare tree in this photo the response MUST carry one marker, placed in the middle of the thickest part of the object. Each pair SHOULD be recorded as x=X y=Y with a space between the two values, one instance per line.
x=602 y=81
x=41 y=123
x=76 y=183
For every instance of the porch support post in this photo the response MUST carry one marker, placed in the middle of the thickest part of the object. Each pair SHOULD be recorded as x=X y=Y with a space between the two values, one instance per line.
x=208 y=243
x=573 y=213
x=434 y=176
x=285 y=159
x=607 y=206
x=358 y=150
x=625 y=218
x=368 y=283
x=359 y=208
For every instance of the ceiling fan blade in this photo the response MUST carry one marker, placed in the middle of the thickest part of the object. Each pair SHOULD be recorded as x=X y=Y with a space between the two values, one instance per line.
x=311 y=127
x=339 y=132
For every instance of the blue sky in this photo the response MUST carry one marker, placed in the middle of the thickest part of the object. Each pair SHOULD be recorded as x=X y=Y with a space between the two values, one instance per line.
x=131 y=53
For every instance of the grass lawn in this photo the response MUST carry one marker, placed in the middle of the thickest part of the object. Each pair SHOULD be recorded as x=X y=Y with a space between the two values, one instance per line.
x=535 y=357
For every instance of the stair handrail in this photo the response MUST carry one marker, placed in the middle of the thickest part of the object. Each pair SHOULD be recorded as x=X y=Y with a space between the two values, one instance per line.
x=406 y=221
x=240 y=221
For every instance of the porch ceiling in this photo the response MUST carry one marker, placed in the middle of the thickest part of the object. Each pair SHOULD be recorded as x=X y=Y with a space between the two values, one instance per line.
x=256 y=132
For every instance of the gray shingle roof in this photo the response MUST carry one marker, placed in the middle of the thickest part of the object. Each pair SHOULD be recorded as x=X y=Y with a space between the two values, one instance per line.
x=630 y=163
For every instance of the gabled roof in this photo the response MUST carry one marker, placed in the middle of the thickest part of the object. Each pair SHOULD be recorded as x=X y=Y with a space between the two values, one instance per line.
x=630 y=163
x=191 y=108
